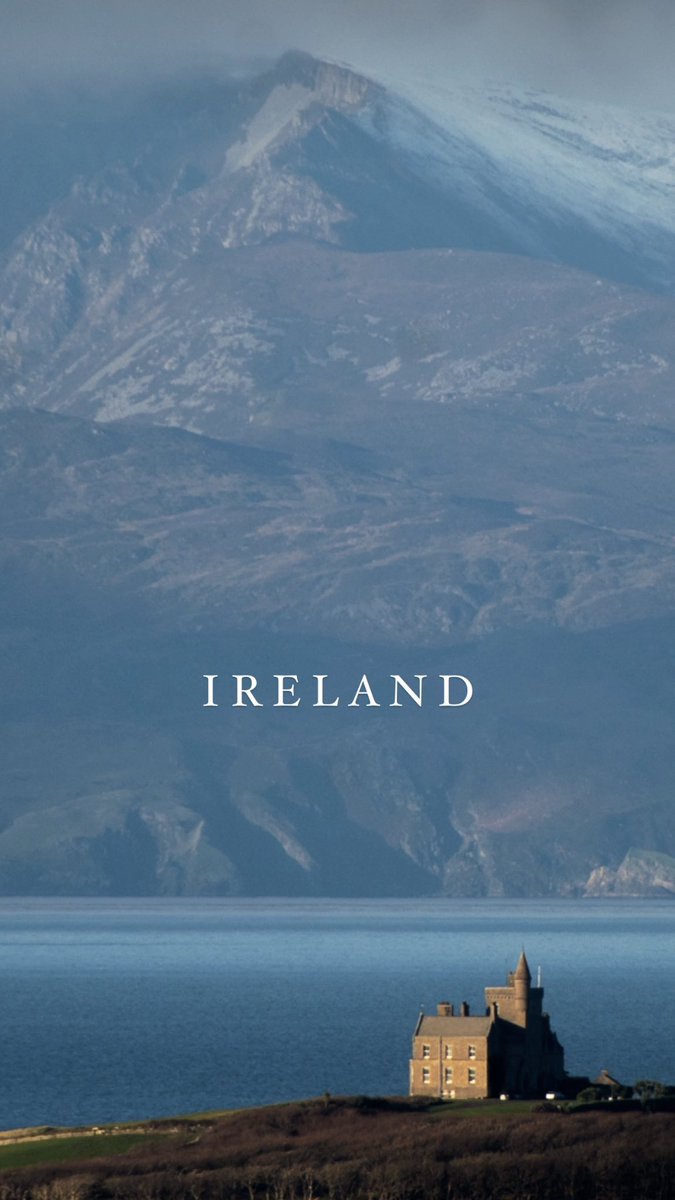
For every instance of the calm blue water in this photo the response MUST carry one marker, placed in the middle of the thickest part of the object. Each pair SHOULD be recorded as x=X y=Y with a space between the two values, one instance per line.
x=123 y=1009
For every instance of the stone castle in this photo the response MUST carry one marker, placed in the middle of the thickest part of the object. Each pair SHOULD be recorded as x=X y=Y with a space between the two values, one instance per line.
x=512 y=1049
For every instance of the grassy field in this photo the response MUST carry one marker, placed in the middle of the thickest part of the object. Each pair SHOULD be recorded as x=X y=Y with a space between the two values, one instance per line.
x=35 y=1147
x=480 y=1108
x=68 y=1149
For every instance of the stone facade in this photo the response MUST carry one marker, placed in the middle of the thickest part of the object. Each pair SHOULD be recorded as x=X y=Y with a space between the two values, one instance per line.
x=511 y=1049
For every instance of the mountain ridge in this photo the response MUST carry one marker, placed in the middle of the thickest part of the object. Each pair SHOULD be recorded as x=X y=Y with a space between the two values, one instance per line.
x=294 y=179
x=280 y=396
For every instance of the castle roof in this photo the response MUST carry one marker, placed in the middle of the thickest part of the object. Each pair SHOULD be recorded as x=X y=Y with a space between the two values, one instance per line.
x=522 y=971
x=454 y=1026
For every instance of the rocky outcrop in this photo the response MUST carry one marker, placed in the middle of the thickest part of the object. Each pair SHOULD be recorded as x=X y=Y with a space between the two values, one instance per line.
x=642 y=873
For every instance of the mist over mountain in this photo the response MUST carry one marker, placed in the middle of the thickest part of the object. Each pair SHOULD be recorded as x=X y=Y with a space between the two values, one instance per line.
x=619 y=53
x=303 y=374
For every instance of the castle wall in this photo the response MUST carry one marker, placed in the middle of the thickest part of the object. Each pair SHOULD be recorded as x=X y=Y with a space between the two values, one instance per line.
x=454 y=1067
x=510 y=1006
x=505 y=1000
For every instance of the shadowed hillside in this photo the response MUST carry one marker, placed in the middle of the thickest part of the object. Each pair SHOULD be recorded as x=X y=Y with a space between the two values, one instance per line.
x=363 y=1149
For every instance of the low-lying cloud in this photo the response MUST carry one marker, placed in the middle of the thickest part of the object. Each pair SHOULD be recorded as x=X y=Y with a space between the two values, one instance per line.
x=603 y=49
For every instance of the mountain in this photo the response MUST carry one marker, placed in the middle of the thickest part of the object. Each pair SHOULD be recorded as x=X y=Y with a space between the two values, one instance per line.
x=301 y=375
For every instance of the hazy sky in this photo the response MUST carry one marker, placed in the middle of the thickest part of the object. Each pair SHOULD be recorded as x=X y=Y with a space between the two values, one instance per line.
x=607 y=49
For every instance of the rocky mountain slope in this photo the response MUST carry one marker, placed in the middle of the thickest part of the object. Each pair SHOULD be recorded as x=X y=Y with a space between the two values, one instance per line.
x=301 y=376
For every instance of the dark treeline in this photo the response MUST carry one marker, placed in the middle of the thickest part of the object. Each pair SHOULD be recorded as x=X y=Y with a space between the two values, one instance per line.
x=379 y=1150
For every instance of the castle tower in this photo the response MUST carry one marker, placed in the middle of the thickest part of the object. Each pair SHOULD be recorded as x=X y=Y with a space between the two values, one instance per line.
x=521 y=983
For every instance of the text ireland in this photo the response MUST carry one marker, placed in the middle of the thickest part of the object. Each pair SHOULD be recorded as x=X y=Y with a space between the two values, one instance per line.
x=294 y=691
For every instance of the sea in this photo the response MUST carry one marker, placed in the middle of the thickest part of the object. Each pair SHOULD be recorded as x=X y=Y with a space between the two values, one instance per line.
x=115 y=1010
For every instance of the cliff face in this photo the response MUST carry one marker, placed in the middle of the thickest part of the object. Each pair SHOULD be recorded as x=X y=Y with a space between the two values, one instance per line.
x=281 y=398
x=641 y=873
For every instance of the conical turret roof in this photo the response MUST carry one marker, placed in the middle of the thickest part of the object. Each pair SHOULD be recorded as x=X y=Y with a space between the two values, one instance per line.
x=522 y=971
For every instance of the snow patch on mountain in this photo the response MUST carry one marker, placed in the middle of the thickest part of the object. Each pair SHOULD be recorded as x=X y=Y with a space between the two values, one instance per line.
x=612 y=168
x=282 y=108
x=383 y=371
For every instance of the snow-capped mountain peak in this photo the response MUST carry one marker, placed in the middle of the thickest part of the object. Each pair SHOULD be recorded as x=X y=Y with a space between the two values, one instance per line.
x=312 y=149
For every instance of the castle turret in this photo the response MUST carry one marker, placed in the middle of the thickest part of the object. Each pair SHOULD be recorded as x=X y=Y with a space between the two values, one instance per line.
x=522 y=979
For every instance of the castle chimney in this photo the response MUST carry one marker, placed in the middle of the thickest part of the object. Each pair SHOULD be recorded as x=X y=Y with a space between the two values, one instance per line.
x=465 y=1009
x=445 y=1009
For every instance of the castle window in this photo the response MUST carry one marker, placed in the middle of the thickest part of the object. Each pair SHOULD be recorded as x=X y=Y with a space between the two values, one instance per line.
x=448 y=1051
x=448 y=1074
x=426 y=1051
x=472 y=1075
x=472 y=1051
x=426 y=1074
